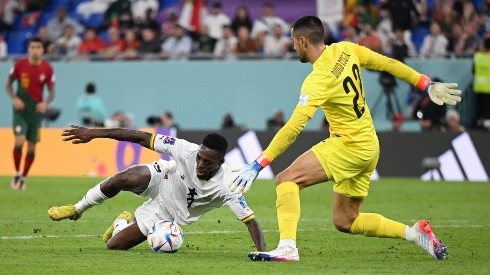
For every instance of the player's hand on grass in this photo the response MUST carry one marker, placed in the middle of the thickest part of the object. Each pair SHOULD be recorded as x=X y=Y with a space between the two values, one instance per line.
x=444 y=93
x=77 y=134
x=245 y=177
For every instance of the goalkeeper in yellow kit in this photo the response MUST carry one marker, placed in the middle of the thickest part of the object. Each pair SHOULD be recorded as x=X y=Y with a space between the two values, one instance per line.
x=349 y=156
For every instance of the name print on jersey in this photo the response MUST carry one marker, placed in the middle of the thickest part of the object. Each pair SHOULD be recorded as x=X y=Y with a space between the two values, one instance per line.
x=340 y=65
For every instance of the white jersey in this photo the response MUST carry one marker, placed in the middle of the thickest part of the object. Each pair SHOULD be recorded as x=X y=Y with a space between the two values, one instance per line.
x=176 y=193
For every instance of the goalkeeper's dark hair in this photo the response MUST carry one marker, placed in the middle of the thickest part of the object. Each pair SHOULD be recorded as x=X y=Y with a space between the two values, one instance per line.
x=216 y=142
x=310 y=27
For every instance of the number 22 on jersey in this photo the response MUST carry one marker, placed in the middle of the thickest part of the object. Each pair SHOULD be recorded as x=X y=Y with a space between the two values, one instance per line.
x=355 y=85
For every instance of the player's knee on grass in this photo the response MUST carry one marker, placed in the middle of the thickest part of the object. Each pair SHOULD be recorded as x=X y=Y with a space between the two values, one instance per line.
x=129 y=237
x=342 y=223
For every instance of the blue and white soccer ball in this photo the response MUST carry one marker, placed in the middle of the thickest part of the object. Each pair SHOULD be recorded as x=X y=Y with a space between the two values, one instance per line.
x=165 y=236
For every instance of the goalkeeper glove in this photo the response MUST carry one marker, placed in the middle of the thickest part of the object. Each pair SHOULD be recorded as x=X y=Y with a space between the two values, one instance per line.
x=440 y=93
x=249 y=172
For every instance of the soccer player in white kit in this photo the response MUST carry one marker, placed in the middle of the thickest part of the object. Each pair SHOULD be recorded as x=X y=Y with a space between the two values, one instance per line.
x=181 y=190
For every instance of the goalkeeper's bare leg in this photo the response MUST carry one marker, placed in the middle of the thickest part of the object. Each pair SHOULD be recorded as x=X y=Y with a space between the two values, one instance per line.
x=134 y=179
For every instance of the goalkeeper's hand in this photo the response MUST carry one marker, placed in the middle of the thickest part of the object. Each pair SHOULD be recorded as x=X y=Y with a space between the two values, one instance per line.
x=245 y=177
x=444 y=93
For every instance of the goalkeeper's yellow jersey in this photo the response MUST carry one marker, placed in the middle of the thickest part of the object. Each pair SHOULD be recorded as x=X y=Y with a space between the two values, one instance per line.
x=335 y=85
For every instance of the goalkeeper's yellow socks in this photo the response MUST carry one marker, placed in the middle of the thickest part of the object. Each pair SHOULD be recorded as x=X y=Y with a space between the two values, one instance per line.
x=288 y=210
x=375 y=225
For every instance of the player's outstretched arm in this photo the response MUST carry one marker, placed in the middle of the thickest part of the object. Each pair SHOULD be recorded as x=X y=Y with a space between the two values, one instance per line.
x=440 y=93
x=249 y=172
x=78 y=134
x=256 y=233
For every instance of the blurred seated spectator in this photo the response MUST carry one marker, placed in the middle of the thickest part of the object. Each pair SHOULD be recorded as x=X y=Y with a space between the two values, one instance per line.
x=447 y=19
x=350 y=34
x=403 y=13
x=128 y=120
x=452 y=123
x=57 y=24
x=68 y=44
x=242 y=18
x=91 y=108
x=276 y=44
x=434 y=44
x=150 y=43
x=470 y=15
x=36 y=5
x=245 y=45
x=48 y=44
x=385 y=30
x=86 y=9
x=215 y=20
x=3 y=47
x=91 y=43
x=167 y=28
x=148 y=21
x=457 y=37
x=397 y=123
x=370 y=39
x=115 y=44
x=228 y=123
x=8 y=11
x=265 y=23
x=469 y=41
x=141 y=8
x=113 y=13
x=276 y=121
x=125 y=22
x=116 y=120
x=167 y=119
x=177 y=46
x=131 y=45
x=225 y=47
x=401 y=47
x=154 y=121
x=204 y=44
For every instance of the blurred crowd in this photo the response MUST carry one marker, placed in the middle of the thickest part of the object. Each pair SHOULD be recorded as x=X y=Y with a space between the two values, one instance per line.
x=134 y=29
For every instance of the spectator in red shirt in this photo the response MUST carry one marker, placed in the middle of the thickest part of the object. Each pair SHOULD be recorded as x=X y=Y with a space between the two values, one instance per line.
x=115 y=44
x=91 y=43
x=131 y=44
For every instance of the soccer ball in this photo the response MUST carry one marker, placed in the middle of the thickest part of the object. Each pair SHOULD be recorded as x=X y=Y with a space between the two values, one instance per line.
x=165 y=236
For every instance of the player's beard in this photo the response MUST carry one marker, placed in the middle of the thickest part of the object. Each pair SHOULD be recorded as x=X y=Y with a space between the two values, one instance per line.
x=302 y=57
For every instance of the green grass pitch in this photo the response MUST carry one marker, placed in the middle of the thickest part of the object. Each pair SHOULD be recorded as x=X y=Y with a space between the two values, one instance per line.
x=217 y=244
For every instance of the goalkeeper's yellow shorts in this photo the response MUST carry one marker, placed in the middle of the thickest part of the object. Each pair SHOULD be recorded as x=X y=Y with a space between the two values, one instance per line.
x=349 y=169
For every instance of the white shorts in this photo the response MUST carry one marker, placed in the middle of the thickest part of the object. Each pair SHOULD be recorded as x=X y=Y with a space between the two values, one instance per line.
x=152 y=210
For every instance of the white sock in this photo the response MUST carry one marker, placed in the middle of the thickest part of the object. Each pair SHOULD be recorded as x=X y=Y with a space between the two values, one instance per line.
x=287 y=242
x=119 y=225
x=93 y=197
x=409 y=236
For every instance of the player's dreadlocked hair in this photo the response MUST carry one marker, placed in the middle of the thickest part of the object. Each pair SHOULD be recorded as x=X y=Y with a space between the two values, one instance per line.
x=216 y=142
x=310 y=27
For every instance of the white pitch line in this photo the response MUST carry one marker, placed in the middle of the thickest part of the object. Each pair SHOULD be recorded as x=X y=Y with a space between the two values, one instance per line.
x=26 y=237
